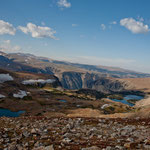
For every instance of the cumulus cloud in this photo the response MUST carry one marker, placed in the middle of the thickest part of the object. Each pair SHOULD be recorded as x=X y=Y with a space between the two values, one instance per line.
x=6 y=28
x=6 y=46
x=64 y=3
x=136 y=27
x=38 y=31
x=103 y=27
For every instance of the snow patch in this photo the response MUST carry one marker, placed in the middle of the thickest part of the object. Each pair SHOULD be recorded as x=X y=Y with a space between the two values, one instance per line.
x=105 y=106
x=2 y=96
x=31 y=82
x=20 y=94
x=5 y=77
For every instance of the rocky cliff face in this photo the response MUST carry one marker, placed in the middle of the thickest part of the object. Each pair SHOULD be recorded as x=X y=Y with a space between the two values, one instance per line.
x=72 y=80
x=77 y=80
x=108 y=85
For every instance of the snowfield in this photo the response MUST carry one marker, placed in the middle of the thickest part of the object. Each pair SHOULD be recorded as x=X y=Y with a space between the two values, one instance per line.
x=31 y=82
x=21 y=94
x=105 y=106
x=2 y=96
x=5 y=77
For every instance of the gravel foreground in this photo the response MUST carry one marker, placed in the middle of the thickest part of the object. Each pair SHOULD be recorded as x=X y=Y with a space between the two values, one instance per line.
x=40 y=133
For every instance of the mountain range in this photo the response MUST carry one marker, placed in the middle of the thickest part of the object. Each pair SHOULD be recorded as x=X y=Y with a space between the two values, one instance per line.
x=71 y=75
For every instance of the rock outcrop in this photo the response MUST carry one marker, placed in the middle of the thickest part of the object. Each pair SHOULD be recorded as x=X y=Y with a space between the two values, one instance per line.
x=77 y=80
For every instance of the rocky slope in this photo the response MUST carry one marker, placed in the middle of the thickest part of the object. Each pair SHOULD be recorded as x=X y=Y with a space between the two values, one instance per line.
x=39 y=133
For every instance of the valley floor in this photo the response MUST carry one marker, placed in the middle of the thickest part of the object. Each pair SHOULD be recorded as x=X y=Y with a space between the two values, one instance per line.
x=42 y=133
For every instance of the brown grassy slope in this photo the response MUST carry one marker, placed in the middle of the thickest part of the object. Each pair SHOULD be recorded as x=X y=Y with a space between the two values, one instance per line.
x=142 y=84
x=33 y=76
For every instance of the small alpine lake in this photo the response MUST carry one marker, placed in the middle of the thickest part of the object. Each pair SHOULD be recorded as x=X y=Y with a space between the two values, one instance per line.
x=62 y=100
x=8 y=113
x=129 y=99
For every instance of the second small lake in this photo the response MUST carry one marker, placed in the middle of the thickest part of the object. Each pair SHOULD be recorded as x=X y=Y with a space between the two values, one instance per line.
x=129 y=97
x=62 y=100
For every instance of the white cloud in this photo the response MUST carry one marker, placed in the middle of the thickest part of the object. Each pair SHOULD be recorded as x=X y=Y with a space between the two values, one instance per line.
x=6 y=28
x=6 y=42
x=64 y=4
x=38 y=31
x=74 y=25
x=103 y=27
x=94 y=60
x=97 y=60
x=6 y=46
x=114 y=22
x=136 y=27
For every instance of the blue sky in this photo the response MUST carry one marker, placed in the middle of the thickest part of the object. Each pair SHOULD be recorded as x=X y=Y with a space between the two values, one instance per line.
x=99 y=32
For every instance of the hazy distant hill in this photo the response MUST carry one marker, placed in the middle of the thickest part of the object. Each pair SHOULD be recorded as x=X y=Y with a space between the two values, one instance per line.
x=71 y=75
